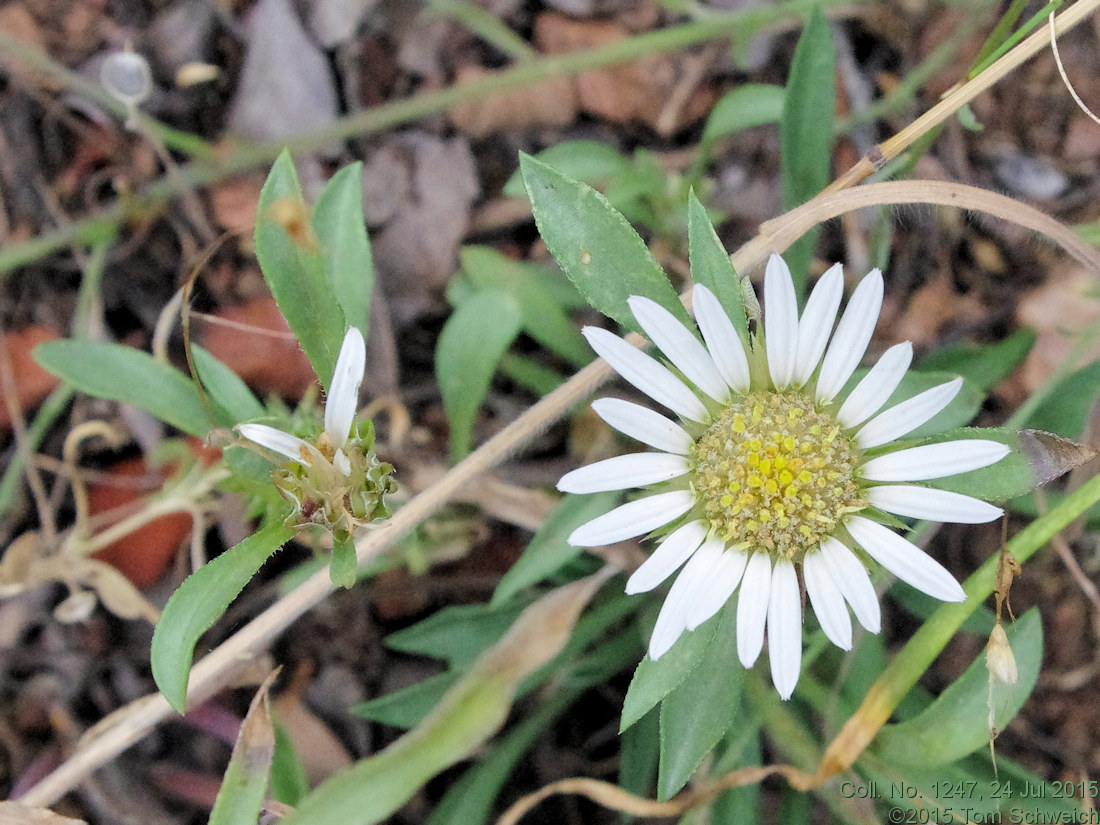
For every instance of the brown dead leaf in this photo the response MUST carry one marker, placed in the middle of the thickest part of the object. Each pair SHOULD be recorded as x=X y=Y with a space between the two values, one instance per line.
x=31 y=383
x=934 y=307
x=1051 y=455
x=234 y=202
x=321 y=753
x=270 y=363
x=636 y=91
x=143 y=555
x=16 y=813
x=550 y=103
x=286 y=86
x=1061 y=306
x=115 y=591
x=420 y=189
x=19 y=24
x=1082 y=139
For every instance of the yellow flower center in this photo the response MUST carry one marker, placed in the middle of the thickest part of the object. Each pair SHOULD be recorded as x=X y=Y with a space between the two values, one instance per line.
x=775 y=473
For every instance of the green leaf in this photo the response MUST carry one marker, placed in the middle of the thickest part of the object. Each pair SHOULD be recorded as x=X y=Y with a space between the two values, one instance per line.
x=226 y=388
x=711 y=265
x=748 y=105
x=737 y=805
x=470 y=346
x=288 y=777
x=654 y=680
x=244 y=785
x=341 y=231
x=1036 y=458
x=405 y=708
x=471 y=711
x=469 y=801
x=983 y=366
x=549 y=551
x=129 y=376
x=344 y=565
x=530 y=374
x=697 y=713
x=963 y=708
x=459 y=633
x=542 y=316
x=292 y=266
x=588 y=161
x=1067 y=406
x=806 y=131
x=199 y=602
x=639 y=755
x=595 y=246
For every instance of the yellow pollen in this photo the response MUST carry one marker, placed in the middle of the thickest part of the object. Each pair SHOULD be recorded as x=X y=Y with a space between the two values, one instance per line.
x=776 y=474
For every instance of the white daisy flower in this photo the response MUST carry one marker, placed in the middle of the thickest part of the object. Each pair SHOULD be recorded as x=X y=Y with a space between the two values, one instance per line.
x=767 y=470
x=338 y=481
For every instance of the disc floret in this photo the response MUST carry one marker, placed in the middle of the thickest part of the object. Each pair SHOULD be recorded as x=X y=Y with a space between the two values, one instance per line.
x=775 y=472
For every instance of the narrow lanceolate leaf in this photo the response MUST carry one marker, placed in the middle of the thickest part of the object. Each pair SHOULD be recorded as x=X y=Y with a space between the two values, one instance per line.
x=199 y=602
x=469 y=713
x=341 y=232
x=544 y=317
x=129 y=376
x=963 y=708
x=245 y=782
x=595 y=245
x=711 y=266
x=470 y=347
x=696 y=715
x=548 y=550
x=984 y=365
x=226 y=389
x=654 y=680
x=806 y=130
x=1036 y=458
x=748 y=105
x=289 y=252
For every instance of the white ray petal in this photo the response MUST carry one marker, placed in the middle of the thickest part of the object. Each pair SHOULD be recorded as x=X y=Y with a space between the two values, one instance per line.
x=623 y=472
x=644 y=425
x=851 y=577
x=907 y=416
x=283 y=443
x=913 y=501
x=669 y=555
x=635 y=518
x=934 y=460
x=343 y=392
x=905 y=560
x=817 y=322
x=646 y=374
x=752 y=607
x=672 y=620
x=722 y=339
x=725 y=575
x=877 y=385
x=852 y=336
x=785 y=629
x=780 y=321
x=827 y=601
x=679 y=346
